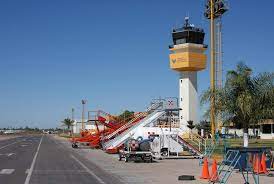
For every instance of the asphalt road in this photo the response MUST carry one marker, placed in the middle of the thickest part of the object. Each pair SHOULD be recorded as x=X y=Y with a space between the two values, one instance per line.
x=41 y=159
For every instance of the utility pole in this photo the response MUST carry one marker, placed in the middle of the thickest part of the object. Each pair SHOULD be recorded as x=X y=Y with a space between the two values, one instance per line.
x=83 y=113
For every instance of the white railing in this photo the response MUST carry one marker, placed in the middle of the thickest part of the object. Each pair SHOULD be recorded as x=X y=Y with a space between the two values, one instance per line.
x=124 y=136
x=198 y=141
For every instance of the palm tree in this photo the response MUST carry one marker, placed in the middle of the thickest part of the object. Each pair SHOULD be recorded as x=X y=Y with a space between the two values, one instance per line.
x=245 y=99
x=68 y=122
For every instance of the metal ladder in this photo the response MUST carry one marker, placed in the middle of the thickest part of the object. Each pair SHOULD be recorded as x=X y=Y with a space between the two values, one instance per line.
x=226 y=167
x=209 y=149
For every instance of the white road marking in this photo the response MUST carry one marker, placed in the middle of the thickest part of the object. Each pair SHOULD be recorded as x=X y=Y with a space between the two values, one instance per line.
x=33 y=163
x=66 y=172
x=7 y=154
x=88 y=170
x=6 y=171
x=10 y=144
x=10 y=154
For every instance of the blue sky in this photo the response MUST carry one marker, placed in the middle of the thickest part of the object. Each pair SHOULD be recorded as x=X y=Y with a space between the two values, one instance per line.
x=112 y=53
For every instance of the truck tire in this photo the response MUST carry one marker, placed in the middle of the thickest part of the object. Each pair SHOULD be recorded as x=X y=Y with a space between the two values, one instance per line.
x=126 y=159
x=74 y=145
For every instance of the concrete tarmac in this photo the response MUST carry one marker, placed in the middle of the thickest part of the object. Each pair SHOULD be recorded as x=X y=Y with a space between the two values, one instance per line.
x=41 y=159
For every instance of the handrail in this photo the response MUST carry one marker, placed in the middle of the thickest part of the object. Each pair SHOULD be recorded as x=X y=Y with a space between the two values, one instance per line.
x=198 y=141
x=189 y=145
x=138 y=116
x=124 y=133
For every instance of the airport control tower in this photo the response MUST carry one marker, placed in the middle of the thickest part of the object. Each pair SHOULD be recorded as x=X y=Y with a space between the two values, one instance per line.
x=187 y=57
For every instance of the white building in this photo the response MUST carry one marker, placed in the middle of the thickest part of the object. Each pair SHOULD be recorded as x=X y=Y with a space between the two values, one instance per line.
x=77 y=126
x=267 y=129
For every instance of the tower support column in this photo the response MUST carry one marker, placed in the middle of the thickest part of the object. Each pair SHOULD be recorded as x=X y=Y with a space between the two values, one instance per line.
x=188 y=100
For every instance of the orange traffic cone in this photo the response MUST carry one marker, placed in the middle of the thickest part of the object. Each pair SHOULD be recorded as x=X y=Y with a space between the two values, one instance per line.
x=205 y=172
x=257 y=165
x=263 y=164
x=214 y=171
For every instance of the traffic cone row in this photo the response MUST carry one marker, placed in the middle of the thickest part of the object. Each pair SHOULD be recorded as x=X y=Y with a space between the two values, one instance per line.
x=205 y=171
x=259 y=165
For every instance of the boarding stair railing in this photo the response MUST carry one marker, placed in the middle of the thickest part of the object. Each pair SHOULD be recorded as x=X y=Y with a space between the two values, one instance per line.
x=139 y=116
x=125 y=135
x=198 y=141
x=190 y=148
x=125 y=126
x=226 y=167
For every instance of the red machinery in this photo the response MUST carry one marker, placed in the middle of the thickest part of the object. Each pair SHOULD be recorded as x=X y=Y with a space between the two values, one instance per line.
x=111 y=128
x=93 y=139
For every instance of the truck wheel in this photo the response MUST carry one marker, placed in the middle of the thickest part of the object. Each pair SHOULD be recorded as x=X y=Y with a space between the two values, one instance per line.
x=74 y=145
x=164 y=153
x=151 y=159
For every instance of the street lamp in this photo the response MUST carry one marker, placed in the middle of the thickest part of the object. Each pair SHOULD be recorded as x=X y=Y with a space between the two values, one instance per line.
x=83 y=113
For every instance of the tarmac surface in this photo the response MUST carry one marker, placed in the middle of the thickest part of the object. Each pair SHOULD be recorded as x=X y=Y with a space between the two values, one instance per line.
x=50 y=159
x=41 y=159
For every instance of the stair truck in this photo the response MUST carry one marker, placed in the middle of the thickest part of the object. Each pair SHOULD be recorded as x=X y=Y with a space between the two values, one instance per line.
x=136 y=150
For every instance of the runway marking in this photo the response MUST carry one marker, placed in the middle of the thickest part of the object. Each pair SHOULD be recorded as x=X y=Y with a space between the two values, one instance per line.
x=7 y=154
x=10 y=154
x=61 y=172
x=6 y=171
x=33 y=162
x=88 y=170
x=10 y=144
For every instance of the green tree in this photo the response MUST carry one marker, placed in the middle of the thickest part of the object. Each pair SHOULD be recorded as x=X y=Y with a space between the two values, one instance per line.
x=190 y=125
x=205 y=125
x=68 y=122
x=245 y=99
x=126 y=115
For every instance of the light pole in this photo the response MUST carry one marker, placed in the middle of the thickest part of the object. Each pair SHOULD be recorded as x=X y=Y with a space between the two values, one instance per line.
x=72 y=118
x=83 y=113
x=212 y=68
x=214 y=9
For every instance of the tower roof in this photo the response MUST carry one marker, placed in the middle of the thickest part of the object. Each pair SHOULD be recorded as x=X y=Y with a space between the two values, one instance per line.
x=188 y=34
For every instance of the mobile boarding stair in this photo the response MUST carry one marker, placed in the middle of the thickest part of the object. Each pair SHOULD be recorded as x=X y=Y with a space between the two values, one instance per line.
x=188 y=147
x=122 y=134
x=234 y=159
x=197 y=146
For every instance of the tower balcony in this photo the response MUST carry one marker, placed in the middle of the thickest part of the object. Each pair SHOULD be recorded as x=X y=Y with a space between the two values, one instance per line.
x=188 y=57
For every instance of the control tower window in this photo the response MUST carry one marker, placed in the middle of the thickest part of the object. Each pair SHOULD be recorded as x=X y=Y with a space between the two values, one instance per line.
x=180 y=41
